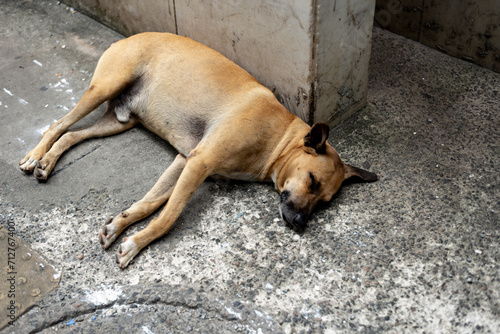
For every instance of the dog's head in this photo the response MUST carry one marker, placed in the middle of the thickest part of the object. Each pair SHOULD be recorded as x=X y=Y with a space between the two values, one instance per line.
x=312 y=173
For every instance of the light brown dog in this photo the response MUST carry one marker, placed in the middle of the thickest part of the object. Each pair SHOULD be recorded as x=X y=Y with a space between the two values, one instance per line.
x=220 y=119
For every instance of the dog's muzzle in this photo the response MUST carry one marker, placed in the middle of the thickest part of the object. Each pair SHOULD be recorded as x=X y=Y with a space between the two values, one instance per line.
x=290 y=214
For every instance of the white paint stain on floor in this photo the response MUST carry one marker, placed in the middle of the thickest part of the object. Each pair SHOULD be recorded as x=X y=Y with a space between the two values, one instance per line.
x=105 y=296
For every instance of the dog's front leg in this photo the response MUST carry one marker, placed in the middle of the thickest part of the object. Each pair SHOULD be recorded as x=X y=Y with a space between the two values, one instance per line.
x=158 y=195
x=192 y=176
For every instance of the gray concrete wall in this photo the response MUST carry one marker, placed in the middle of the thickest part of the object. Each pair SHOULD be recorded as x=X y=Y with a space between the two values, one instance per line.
x=313 y=54
x=342 y=57
x=465 y=29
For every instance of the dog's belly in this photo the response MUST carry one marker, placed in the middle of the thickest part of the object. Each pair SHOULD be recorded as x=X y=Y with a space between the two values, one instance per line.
x=183 y=134
x=181 y=122
x=237 y=176
x=179 y=118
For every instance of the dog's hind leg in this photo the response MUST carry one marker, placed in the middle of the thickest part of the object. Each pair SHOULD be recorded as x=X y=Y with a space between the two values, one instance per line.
x=107 y=125
x=90 y=101
x=158 y=195
x=113 y=74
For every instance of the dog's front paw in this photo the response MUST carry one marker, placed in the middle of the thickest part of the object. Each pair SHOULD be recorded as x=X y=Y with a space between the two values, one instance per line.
x=126 y=252
x=108 y=234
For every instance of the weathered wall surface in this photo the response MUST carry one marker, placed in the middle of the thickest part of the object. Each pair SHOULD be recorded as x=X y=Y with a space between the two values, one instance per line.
x=465 y=29
x=270 y=39
x=130 y=16
x=313 y=54
x=343 y=55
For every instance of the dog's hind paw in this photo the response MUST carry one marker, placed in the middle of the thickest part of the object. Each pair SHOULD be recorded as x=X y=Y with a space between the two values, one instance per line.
x=108 y=234
x=41 y=172
x=126 y=252
x=38 y=167
x=27 y=165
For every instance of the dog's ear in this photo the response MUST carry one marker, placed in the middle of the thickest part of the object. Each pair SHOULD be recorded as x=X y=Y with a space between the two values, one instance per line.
x=366 y=176
x=317 y=136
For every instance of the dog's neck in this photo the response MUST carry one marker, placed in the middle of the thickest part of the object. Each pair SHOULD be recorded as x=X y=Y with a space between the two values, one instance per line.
x=280 y=155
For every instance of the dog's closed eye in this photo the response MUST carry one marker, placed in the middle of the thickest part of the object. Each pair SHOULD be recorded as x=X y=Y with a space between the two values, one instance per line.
x=314 y=186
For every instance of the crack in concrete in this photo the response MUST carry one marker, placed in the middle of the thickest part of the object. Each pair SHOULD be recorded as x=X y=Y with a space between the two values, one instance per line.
x=64 y=317
x=74 y=161
x=47 y=316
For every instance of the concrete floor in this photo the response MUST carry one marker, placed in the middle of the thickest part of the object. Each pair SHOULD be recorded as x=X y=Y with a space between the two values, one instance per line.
x=417 y=251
